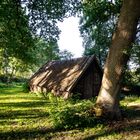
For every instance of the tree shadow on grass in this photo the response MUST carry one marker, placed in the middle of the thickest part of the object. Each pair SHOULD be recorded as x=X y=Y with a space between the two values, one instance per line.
x=112 y=131
x=28 y=114
x=23 y=98
x=132 y=126
x=37 y=133
x=127 y=125
x=30 y=109
x=10 y=91
x=131 y=112
x=24 y=104
x=130 y=123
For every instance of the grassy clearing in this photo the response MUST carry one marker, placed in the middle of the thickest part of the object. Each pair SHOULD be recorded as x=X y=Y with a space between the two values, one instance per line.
x=27 y=116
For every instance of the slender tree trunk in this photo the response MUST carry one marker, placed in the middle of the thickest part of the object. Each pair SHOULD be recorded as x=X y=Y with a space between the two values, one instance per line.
x=107 y=103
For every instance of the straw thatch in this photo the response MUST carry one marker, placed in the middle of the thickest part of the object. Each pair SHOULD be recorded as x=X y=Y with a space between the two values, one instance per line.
x=66 y=76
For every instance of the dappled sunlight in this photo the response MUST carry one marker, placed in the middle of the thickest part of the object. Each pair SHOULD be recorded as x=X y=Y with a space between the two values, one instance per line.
x=130 y=100
x=27 y=117
x=21 y=112
x=17 y=100
x=122 y=130
x=40 y=78
x=43 y=79
x=124 y=34
x=106 y=85
x=61 y=76
x=118 y=71
x=106 y=97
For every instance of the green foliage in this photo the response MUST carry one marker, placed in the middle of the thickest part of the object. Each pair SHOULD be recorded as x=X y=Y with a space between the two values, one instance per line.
x=45 y=51
x=131 y=77
x=16 y=40
x=135 y=53
x=65 y=55
x=44 y=15
x=14 y=67
x=25 y=87
x=3 y=85
x=97 y=25
x=22 y=23
x=5 y=78
x=69 y=114
x=15 y=36
x=97 y=40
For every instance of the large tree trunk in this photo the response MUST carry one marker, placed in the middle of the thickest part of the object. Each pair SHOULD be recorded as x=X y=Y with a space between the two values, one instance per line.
x=107 y=102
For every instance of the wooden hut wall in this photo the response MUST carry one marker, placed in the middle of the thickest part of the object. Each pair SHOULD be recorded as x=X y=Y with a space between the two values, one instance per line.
x=89 y=83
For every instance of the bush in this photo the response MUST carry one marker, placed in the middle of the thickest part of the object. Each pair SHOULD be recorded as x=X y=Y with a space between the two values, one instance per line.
x=70 y=114
x=3 y=78
x=8 y=79
x=25 y=87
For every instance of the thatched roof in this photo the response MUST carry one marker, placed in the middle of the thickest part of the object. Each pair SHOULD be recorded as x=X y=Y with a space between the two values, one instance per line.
x=60 y=76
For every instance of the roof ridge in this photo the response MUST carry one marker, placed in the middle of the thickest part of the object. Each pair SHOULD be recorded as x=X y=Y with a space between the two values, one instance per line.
x=62 y=60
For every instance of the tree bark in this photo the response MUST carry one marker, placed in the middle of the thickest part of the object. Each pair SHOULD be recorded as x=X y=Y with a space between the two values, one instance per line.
x=107 y=103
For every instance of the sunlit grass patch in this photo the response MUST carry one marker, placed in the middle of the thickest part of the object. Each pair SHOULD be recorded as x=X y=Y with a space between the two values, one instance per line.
x=21 y=112
x=130 y=99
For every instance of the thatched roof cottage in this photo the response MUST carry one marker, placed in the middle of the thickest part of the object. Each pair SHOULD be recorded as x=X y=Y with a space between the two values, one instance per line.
x=66 y=77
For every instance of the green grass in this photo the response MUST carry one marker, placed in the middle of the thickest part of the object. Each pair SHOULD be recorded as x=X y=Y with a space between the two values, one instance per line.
x=21 y=114
x=27 y=116
x=130 y=99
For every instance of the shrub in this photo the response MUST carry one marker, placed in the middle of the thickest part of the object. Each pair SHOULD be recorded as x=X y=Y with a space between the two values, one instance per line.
x=9 y=79
x=71 y=114
x=25 y=87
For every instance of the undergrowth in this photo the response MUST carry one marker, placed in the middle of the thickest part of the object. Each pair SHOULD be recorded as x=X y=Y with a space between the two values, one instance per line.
x=69 y=114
